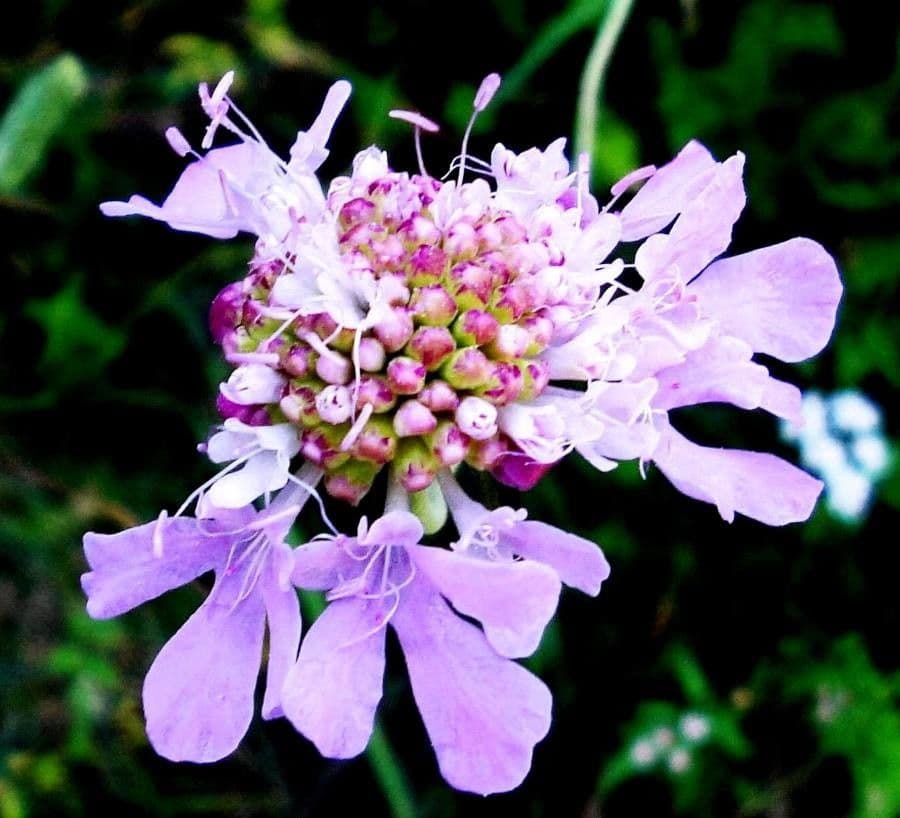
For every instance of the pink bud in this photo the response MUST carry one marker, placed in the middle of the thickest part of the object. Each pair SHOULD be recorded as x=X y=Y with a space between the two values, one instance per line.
x=511 y=342
x=413 y=419
x=376 y=442
x=371 y=355
x=395 y=329
x=540 y=330
x=466 y=369
x=406 y=376
x=334 y=368
x=475 y=327
x=439 y=396
x=449 y=444
x=351 y=481
x=419 y=230
x=318 y=447
x=426 y=265
x=431 y=346
x=334 y=404
x=299 y=406
x=299 y=361
x=505 y=384
x=433 y=305
x=375 y=391
x=461 y=240
x=356 y=211
x=476 y=418
x=225 y=311
x=474 y=280
x=415 y=466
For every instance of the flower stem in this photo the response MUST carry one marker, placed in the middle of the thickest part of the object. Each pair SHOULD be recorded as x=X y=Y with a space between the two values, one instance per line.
x=391 y=777
x=587 y=117
x=385 y=765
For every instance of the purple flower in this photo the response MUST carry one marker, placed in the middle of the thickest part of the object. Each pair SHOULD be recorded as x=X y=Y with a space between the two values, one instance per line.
x=483 y=712
x=198 y=693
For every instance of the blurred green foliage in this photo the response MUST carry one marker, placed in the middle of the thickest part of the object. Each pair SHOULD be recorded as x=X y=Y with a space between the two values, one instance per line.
x=782 y=643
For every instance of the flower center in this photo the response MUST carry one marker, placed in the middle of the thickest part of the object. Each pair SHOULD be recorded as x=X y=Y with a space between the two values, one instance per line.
x=453 y=292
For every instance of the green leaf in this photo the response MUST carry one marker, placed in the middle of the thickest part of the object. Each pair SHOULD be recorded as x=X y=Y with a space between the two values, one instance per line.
x=37 y=113
x=79 y=344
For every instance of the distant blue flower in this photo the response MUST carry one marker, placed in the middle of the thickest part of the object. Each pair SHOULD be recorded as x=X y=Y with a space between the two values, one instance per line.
x=842 y=440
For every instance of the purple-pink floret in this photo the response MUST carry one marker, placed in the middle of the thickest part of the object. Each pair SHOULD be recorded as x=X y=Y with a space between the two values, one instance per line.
x=198 y=693
x=483 y=712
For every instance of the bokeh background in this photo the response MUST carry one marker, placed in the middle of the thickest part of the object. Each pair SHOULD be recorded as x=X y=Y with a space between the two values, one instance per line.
x=723 y=671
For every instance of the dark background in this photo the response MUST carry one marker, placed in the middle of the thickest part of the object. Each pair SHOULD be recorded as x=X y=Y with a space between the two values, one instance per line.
x=783 y=640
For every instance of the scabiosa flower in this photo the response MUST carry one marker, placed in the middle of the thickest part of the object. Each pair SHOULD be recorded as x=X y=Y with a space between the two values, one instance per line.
x=497 y=318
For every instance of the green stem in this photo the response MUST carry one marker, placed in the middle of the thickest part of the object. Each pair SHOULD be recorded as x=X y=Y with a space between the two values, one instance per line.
x=385 y=765
x=390 y=775
x=588 y=111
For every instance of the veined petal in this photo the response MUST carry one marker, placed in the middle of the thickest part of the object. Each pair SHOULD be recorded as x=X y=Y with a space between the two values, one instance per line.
x=782 y=300
x=283 y=619
x=703 y=230
x=332 y=692
x=514 y=601
x=578 y=562
x=198 y=694
x=722 y=372
x=139 y=564
x=756 y=484
x=667 y=192
x=320 y=565
x=483 y=713
x=394 y=528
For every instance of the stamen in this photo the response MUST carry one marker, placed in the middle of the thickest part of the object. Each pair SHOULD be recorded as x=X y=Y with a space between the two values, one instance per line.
x=177 y=141
x=356 y=429
x=485 y=94
x=315 y=495
x=267 y=358
x=486 y=91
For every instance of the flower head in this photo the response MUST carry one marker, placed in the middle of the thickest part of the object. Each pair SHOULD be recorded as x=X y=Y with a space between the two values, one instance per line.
x=499 y=317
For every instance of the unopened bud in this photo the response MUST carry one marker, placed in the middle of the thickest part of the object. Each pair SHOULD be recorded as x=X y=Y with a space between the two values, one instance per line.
x=414 y=466
x=406 y=376
x=351 y=481
x=395 y=329
x=477 y=418
x=431 y=346
x=448 y=443
x=439 y=396
x=433 y=306
x=466 y=369
x=413 y=419
x=475 y=327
